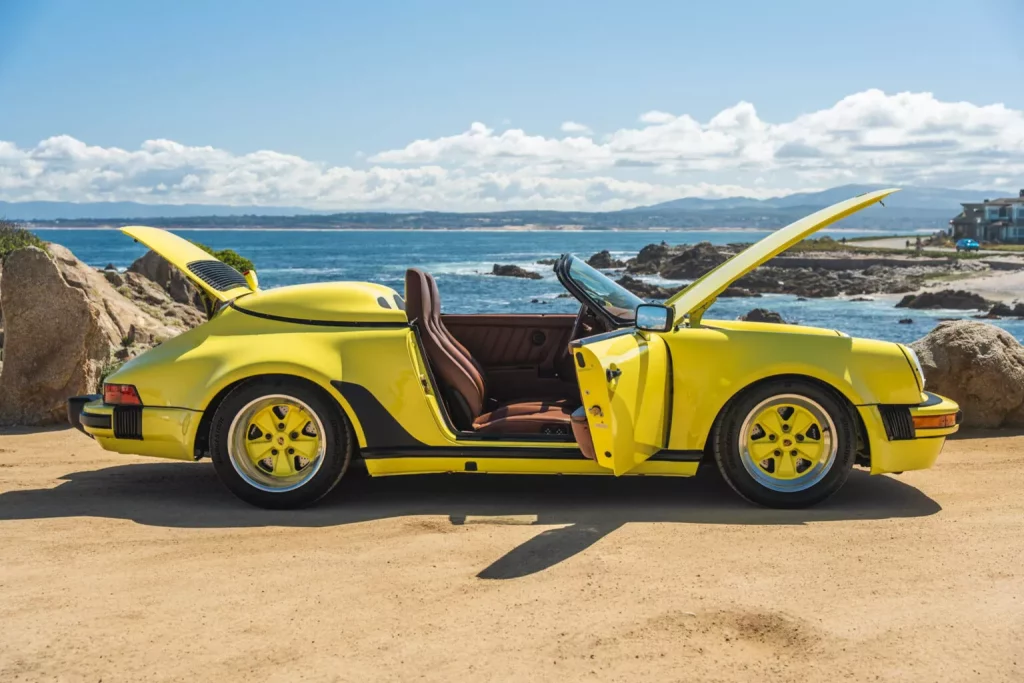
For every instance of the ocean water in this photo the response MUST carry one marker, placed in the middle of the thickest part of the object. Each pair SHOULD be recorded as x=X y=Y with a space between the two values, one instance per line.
x=462 y=260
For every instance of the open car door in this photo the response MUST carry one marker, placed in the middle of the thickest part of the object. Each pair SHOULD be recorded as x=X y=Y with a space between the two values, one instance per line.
x=624 y=381
x=216 y=279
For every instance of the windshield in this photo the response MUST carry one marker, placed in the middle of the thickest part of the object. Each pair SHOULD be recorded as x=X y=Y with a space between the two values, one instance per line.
x=603 y=292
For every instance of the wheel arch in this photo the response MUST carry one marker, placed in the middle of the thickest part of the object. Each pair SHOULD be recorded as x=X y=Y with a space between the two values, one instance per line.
x=201 y=439
x=843 y=397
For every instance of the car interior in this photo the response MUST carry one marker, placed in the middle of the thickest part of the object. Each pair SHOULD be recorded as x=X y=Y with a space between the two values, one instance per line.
x=503 y=375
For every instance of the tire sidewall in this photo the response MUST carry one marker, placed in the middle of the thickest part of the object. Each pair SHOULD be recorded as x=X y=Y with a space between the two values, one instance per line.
x=729 y=459
x=337 y=451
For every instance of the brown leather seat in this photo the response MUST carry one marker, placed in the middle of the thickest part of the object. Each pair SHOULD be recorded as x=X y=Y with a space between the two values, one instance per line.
x=462 y=378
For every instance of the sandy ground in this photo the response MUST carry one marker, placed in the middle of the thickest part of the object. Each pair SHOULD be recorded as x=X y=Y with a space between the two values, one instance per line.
x=121 y=568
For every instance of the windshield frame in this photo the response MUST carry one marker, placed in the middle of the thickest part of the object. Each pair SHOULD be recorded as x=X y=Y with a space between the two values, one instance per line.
x=590 y=298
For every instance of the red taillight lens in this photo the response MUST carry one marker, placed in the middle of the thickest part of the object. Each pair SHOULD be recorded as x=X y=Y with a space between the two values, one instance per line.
x=121 y=395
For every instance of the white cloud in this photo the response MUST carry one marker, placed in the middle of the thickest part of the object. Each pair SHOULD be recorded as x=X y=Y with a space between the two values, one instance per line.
x=576 y=128
x=905 y=138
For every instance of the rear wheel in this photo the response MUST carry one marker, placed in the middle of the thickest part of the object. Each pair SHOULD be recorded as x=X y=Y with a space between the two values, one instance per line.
x=786 y=444
x=279 y=443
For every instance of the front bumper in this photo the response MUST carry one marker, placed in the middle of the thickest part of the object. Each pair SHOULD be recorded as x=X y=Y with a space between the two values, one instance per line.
x=896 y=445
x=137 y=430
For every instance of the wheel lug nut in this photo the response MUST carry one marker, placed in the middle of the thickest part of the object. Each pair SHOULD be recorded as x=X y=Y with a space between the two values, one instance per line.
x=280 y=425
x=269 y=437
x=799 y=437
x=777 y=452
x=793 y=452
x=273 y=451
x=785 y=428
x=293 y=436
x=291 y=451
x=771 y=437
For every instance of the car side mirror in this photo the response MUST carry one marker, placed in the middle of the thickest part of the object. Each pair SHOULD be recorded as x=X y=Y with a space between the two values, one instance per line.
x=654 y=318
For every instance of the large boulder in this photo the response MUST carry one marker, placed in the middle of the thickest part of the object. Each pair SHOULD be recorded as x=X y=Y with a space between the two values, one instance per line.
x=156 y=268
x=979 y=366
x=64 y=323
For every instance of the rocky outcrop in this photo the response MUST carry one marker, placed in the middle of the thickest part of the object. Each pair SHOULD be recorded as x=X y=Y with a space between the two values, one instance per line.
x=947 y=298
x=1001 y=310
x=979 y=366
x=646 y=290
x=155 y=300
x=64 y=324
x=763 y=315
x=515 y=271
x=156 y=268
x=603 y=259
x=693 y=262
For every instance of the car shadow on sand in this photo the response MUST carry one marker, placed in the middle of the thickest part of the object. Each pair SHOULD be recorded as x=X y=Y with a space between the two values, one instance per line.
x=585 y=509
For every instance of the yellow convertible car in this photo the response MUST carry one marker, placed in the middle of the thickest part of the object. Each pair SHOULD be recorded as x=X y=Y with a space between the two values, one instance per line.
x=284 y=388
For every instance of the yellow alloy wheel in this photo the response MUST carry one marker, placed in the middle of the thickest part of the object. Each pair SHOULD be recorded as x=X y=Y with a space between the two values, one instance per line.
x=276 y=443
x=787 y=443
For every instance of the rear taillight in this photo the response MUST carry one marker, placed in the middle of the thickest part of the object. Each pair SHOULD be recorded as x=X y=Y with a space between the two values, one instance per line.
x=121 y=395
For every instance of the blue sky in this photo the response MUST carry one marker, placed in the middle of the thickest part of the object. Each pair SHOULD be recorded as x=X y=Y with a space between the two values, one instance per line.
x=339 y=83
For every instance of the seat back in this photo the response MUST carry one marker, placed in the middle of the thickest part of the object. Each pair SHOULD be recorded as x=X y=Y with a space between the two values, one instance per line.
x=455 y=369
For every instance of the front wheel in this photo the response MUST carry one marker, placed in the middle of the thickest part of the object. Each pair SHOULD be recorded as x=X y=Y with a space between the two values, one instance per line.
x=786 y=444
x=279 y=443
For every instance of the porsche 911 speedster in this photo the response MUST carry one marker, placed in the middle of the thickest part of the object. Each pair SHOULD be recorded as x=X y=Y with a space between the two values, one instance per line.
x=284 y=388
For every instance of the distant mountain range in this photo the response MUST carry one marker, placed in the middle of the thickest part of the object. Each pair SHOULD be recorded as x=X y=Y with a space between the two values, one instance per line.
x=933 y=198
x=912 y=208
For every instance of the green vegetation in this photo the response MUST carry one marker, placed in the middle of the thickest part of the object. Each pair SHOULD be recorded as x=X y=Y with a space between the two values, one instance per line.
x=827 y=244
x=228 y=256
x=106 y=371
x=12 y=237
x=1004 y=247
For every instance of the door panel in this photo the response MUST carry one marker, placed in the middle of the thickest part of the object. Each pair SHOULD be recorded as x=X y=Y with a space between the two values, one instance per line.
x=518 y=352
x=624 y=382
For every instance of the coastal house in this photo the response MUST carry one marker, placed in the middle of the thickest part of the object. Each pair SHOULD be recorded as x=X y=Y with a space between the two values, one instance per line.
x=993 y=220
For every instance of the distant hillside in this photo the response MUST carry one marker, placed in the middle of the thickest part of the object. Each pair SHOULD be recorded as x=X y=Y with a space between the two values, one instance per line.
x=914 y=208
x=49 y=211
x=930 y=198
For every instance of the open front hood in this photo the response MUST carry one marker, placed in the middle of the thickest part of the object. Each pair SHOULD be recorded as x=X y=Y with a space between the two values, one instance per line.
x=217 y=279
x=701 y=293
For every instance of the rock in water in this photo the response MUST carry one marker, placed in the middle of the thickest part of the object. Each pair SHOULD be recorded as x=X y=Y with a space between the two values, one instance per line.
x=156 y=268
x=947 y=298
x=763 y=315
x=515 y=271
x=603 y=259
x=978 y=365
x=64 y=324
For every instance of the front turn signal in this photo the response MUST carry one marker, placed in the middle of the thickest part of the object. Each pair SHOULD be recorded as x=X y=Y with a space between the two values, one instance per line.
x=934 y=421
x=121 y=395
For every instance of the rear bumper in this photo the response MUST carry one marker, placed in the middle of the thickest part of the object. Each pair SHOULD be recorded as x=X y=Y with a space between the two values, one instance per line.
x=153 y=431
x=896 y=445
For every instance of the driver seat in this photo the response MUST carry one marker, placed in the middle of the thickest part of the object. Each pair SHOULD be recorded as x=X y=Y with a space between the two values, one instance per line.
x=461 y=377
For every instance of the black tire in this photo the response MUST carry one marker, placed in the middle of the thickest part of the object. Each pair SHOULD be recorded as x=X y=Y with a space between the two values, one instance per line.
x=337 y=434
x=726 y=444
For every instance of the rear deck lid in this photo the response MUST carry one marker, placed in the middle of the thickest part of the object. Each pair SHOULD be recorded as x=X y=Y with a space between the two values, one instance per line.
x=701 y=293
x=216 y=278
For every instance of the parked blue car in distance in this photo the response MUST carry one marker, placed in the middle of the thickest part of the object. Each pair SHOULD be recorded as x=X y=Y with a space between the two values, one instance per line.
x=967 y=244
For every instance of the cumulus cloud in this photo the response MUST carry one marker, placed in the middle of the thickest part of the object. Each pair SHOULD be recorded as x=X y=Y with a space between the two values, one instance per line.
x=904 y=138
x=576 y=128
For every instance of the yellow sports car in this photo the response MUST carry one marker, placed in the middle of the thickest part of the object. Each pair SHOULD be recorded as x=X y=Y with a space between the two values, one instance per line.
x=284 y=388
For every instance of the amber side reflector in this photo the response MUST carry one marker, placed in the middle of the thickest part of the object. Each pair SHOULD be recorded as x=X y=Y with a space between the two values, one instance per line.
x=121 y=395
x=934 y=421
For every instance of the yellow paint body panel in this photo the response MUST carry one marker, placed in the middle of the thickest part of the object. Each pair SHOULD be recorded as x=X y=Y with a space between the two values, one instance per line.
x=497 y=465
x=624 y=383
x=179 y=252
x=354 y=302
x=169 y=432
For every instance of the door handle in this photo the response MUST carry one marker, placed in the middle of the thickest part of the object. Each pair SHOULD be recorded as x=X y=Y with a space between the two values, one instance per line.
x=612 y=374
